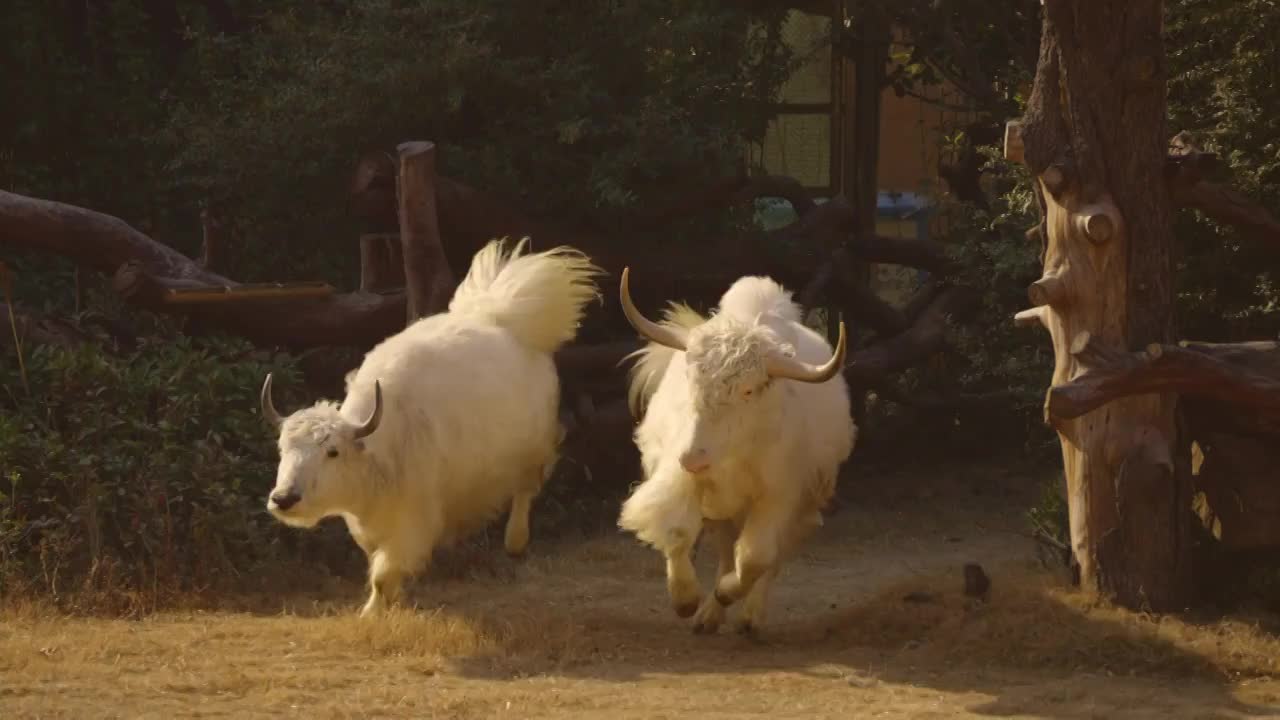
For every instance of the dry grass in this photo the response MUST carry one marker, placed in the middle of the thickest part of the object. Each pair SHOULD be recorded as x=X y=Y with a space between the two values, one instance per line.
x=584 y=630
x=1032 y=621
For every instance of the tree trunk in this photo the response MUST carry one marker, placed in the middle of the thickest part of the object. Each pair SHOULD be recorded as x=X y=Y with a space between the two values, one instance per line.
x=1094 y=135
x=428 y=279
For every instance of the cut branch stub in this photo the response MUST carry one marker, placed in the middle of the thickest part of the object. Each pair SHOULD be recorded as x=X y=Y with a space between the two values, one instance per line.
x=1098 y=221
x=1049 y=290
x=1031 y=317
x=1057 y=178
x=1013 y=148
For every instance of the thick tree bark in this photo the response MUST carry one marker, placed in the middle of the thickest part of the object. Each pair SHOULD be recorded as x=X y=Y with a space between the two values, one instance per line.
x=428 y=280
x=1094 y=136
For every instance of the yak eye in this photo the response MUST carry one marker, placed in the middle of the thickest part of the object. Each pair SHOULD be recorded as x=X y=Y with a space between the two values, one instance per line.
x=332 y=452
x=748 y=392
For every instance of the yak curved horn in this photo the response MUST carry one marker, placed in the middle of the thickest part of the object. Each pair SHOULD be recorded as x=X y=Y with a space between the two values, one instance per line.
x=780 y=366
x=375 y=417
x=661 y=334
x=269 y=407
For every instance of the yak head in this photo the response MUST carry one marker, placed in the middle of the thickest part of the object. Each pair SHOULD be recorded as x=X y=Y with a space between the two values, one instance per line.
x=323 y=460
x=732 y=365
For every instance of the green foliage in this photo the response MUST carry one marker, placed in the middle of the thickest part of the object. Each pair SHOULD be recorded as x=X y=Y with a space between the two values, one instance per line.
x=991 y=358
x=1050 y=523
x=142 y=471
x=577 y=111
x=1224 y=57
x=991 y=249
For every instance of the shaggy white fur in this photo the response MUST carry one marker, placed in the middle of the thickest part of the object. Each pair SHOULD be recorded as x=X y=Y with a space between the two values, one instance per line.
x=469 y=422
x=771 y=447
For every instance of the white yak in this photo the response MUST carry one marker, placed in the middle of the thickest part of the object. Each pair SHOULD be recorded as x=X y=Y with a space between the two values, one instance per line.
x=745 y=424
x=444 y=423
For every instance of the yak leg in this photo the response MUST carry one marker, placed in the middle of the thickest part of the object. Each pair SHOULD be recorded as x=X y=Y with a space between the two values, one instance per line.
x=682 y=578
x=790 y=539
x=711 y=613
x=516 y=539
x=753 y=608
x=755 y=554
x=386 y=579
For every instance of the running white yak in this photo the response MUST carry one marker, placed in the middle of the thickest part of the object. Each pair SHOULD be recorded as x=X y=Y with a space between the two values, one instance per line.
x=445 y=423
x=746 y=425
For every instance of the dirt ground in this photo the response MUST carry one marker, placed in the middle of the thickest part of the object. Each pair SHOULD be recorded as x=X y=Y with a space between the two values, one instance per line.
x=869 y=622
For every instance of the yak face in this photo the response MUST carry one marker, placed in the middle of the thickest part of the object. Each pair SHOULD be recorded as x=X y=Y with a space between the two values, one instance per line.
x=323 y=460
x=730 y=386
x=730 y=365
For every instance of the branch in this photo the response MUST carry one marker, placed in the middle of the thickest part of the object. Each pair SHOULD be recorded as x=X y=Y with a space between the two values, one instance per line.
x=143 y=269
x=927 y=336
x=1244 y=376
x=838 y=216
x=863 y=304
x=1185 y=171
x=92 y=239
x=736 y=190
x=1229 y=207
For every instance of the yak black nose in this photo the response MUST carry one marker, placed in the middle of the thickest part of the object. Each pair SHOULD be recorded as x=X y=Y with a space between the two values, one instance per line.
x=285 y=501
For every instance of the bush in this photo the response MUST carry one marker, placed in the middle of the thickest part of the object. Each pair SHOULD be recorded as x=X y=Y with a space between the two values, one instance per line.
x=142 y=472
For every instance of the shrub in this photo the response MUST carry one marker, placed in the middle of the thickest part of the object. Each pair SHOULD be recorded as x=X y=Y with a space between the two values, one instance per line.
x=140 y=472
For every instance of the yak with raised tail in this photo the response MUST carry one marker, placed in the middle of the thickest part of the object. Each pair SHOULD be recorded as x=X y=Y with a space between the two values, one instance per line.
x=445 y=423
x=745 y=425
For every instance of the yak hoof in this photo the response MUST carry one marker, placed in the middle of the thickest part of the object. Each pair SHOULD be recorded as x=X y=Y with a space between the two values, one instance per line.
x=747 y=629
x=686 y=610
x=704 y=627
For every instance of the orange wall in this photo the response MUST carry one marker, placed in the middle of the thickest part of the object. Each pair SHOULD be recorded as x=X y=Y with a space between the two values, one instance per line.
x=911 y=136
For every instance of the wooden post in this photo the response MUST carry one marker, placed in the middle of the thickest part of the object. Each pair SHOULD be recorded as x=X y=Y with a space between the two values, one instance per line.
x=428 y=279
x=1094 y=137
x=863 y=148
x=212 y=241
x=381 y=262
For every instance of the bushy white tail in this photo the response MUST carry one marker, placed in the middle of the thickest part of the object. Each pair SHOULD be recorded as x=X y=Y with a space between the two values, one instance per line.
x=663 y=511
x=653 y=358
x=539 y=297
x=751 y=295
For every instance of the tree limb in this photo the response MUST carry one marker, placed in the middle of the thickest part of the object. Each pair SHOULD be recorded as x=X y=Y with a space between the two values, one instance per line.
x=1243 y=376
x=144 y=268
x=838 y=216
x=92 y=239
x=1186 y=170
x=732 y=191
x=927 y=336
x=1229 y=207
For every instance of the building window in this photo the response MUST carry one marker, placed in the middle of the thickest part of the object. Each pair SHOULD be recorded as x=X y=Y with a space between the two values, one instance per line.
x=800 y=141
